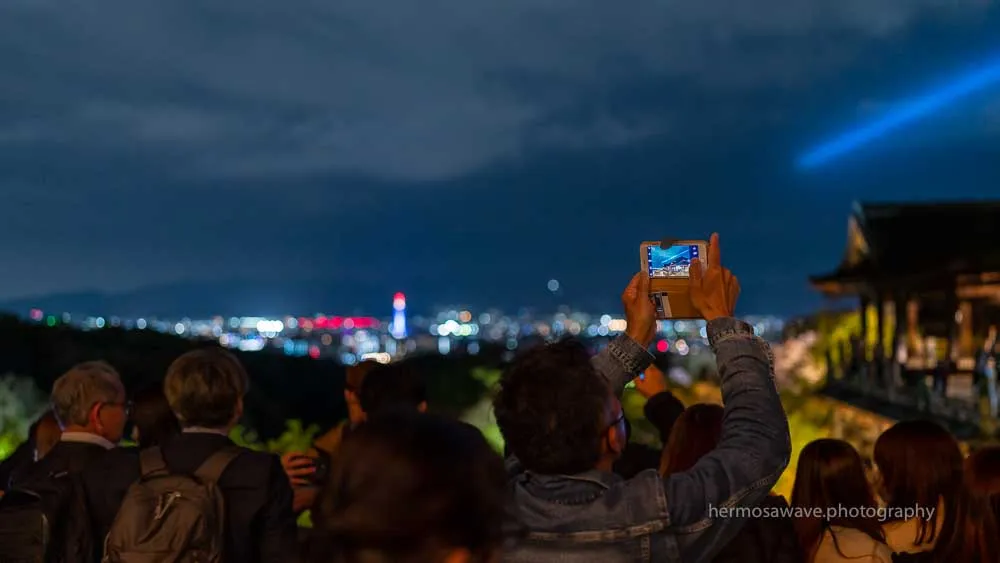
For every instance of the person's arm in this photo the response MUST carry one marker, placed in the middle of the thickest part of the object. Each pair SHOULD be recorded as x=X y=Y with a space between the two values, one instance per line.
x=279 y=533
x=621 y=362
x=752 y=453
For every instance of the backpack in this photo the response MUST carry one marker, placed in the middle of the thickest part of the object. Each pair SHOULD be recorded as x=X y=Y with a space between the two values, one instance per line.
x=171 y=518
x=46 y=521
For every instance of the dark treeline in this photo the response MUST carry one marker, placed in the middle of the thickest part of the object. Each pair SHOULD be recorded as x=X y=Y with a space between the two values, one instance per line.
x=282 y=387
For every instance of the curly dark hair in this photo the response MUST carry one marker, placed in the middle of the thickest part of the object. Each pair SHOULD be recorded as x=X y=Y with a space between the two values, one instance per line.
x=550 y=408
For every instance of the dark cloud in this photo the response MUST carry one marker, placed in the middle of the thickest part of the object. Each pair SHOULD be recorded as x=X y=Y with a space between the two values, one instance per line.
x=456 y=144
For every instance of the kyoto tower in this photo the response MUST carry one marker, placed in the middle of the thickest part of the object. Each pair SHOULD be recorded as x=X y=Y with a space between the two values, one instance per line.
x=398 y=327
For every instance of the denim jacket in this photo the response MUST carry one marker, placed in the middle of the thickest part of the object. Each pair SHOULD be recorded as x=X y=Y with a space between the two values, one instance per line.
x=599 y=517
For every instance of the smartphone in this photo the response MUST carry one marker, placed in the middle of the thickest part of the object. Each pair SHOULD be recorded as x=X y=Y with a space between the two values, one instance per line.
x=671 y=262
x=668 y=265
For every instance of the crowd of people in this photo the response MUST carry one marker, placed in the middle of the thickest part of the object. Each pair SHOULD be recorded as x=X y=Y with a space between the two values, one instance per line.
x=396 y=484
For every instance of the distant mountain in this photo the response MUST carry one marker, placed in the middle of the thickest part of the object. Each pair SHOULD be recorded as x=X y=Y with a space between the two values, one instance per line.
x=204 y=299
x=267 y=298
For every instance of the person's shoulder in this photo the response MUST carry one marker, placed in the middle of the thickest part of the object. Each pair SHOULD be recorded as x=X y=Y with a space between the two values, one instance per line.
x=258 y=462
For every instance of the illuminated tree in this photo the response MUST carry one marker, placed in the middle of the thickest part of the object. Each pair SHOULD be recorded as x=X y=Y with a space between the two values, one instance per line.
x=20 y=404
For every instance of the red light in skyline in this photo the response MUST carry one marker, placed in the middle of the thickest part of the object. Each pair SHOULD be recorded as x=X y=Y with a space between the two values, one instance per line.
x=347 y=323
x=662 y=346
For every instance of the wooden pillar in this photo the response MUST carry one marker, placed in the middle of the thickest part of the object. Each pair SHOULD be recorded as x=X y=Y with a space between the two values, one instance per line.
x=899 y=325
x=966 y=338
x=865 y=302
x=949 y=351
x=878 y=358
x=914 y=345
x=880 y=305
x=897 y=364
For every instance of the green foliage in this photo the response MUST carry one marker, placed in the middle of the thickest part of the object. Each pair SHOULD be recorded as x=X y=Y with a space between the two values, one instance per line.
x=295 y=438
x=643 y=431
x=20 y=404
x=490 y=378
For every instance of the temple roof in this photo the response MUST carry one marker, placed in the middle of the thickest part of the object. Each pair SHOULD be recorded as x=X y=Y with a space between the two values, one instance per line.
x=921 y=244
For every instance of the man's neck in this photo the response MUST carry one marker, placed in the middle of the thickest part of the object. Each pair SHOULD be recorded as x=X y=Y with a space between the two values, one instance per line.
x=606 y=465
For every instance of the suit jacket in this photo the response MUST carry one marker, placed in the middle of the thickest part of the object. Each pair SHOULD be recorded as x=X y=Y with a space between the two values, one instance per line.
x=260 y=524
x=64 y=456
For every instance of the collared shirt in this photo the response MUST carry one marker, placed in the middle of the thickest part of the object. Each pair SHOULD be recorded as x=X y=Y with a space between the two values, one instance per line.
x=203 y=430
x=87 y=438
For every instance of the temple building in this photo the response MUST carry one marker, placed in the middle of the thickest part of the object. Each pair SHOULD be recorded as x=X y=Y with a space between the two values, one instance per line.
x=928 y=279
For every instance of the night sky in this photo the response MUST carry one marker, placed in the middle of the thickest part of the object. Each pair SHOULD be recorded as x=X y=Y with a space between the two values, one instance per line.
x=465 y=151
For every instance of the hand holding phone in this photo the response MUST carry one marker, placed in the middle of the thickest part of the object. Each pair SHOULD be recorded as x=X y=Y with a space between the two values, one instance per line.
x=714 y=289
x=667 y=265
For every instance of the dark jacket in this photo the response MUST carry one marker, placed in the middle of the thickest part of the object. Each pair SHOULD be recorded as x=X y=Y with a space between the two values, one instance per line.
x=64 y=456
x=600 y=517
x=769 y=539
x=259 y=520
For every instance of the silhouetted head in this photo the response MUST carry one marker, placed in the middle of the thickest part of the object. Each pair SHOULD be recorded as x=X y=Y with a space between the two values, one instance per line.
x=831 y=475
x=695 y=433
x=557 y=414
x=919 y=463
x=45 y=434
x=973 y=535
x=153 y=423
x=410 y=487
x=205 y=388
x=352 y=388
x=393 y=387
x=90 y=398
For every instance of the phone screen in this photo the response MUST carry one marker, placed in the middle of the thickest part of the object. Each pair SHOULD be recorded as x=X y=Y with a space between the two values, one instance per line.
x=671 y=262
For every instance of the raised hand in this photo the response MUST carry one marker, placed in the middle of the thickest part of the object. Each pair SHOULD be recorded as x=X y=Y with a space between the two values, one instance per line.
x=640 y=313
x=714 y=289
x=651 y=382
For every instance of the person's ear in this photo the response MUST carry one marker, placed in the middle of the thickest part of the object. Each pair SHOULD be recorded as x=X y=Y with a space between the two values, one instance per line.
x=617 y=439
x=422 y=407
x=238 y=411
x=94 y=417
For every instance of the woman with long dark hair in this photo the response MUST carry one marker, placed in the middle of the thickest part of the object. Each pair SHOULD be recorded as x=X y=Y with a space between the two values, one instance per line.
x=153 y=423
x=411 y=488
x=973 y=535
x=918 y=465
x=836 y=514
x=769 y=539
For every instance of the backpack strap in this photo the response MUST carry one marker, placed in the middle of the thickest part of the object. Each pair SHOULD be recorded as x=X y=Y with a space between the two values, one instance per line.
x=151 y=463
x=211 y=469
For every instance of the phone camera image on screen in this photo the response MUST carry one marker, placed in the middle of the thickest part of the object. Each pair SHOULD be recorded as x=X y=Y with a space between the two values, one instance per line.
x=672 y=262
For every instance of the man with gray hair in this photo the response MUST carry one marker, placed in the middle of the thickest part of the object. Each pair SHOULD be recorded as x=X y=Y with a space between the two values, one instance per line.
x=89 y=403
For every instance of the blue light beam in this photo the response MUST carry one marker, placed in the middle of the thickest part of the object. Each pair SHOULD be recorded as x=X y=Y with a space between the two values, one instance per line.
x=902 y=115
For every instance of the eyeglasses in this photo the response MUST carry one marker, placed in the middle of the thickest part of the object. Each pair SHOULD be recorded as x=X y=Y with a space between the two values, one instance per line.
x=125 y=405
